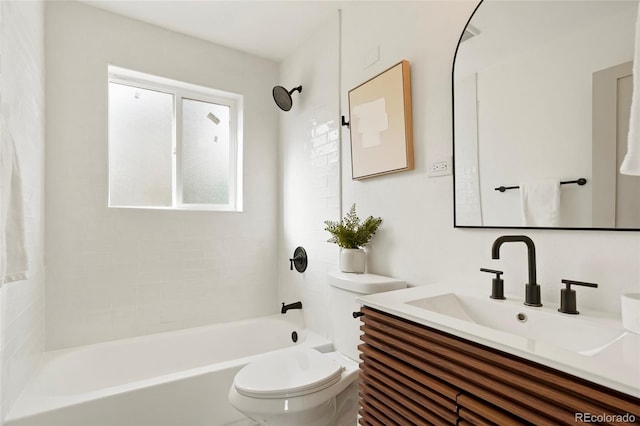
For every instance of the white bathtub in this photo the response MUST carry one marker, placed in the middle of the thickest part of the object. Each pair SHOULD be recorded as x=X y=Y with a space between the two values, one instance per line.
x=178 y=378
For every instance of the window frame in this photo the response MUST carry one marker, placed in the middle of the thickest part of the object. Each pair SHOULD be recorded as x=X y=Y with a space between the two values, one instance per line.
x=186 y=91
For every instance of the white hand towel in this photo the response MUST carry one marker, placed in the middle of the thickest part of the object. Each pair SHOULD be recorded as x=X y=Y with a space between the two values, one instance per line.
x=631 y=163
x=13 y=254
x=540 y=201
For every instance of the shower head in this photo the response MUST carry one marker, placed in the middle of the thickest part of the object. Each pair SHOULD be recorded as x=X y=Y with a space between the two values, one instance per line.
x=282 y=97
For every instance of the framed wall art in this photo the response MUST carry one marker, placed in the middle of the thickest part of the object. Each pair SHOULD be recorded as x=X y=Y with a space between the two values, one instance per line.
x=381 y=125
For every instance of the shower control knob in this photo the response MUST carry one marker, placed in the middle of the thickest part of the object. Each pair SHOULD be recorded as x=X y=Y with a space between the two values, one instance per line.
x=299 y=260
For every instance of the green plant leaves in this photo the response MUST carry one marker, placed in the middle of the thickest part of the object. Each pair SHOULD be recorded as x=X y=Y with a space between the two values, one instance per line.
x=349 y=232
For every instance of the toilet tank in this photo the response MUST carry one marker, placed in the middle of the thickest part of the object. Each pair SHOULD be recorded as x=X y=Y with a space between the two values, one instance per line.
x=343 y=292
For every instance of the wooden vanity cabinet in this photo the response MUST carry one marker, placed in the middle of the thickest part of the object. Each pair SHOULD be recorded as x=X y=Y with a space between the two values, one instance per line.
x=415 y=375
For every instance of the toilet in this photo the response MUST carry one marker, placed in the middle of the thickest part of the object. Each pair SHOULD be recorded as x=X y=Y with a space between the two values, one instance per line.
x=302 y=386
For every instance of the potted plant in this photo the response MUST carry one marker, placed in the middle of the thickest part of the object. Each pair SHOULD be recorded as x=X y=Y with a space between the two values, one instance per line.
x=351 y=235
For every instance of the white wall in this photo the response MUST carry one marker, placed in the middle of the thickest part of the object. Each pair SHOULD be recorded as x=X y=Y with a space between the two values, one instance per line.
x=115 y=273
x=310 y=172
x=22 y=110
x=417 y=241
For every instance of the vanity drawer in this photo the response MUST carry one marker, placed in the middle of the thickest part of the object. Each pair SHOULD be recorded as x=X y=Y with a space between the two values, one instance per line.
x=433 y=370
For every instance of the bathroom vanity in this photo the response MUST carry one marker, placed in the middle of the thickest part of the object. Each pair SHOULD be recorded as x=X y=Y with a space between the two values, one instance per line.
x=420 y=366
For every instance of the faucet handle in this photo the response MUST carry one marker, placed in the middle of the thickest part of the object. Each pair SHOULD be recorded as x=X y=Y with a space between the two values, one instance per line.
x=492 y=271
x=569 y=283
x=568 y=296
x=497 y=284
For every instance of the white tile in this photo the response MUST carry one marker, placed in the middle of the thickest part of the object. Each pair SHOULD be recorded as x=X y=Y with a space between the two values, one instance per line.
x=306 y=204
x=22 y=89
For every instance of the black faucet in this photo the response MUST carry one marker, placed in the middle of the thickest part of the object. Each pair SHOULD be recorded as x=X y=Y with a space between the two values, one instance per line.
x=532 y=289
x=294 y=305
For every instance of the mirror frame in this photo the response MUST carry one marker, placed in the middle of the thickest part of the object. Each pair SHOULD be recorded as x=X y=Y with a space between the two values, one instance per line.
x=453 y=158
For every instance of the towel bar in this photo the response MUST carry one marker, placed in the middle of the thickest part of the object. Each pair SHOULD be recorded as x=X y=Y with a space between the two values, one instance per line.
x=581 y=181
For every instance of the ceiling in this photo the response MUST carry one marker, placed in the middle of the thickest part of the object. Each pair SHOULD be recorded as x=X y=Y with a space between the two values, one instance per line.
x=269 y=29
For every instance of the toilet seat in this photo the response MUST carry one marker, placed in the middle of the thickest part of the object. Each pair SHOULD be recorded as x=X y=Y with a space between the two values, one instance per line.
x=288 y=374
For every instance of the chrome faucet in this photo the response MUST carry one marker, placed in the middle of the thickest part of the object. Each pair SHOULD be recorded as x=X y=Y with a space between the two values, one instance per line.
x=532 y=289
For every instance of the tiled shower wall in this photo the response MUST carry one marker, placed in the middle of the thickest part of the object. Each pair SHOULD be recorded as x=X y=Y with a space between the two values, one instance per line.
x=310 y=171
x=116 y=273
x=22 y=110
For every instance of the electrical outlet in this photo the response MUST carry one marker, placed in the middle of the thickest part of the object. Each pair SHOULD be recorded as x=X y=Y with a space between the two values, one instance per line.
x=439 y=167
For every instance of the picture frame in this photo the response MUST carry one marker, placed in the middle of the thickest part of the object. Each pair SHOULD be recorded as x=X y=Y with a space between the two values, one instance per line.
x=381 y=126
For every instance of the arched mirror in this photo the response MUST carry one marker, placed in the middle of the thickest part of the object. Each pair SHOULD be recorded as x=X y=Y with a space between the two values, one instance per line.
x=542 y=92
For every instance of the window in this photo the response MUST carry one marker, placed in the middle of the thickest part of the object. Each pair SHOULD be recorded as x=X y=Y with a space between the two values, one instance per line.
x=173 y=145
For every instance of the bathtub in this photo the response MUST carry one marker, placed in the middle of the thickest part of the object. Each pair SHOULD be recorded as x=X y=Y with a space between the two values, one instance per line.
x=178 y=378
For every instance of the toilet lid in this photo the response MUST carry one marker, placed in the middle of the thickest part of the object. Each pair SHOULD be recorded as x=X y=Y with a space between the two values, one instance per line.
x=287 y=374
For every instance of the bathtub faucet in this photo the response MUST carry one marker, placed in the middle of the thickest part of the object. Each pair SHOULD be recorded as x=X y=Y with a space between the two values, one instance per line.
x=295 y=305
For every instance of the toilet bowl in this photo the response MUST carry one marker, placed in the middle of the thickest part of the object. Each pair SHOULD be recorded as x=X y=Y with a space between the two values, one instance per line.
x=297 y=387
x=303 y=387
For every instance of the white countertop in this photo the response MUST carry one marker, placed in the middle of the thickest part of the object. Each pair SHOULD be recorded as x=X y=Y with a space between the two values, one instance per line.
x=617 y=366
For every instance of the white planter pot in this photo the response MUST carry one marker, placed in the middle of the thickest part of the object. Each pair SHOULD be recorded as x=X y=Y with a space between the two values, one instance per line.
x=353 y=260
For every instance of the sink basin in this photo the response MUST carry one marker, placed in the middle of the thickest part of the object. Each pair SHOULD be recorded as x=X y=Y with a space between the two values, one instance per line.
x=537 y=324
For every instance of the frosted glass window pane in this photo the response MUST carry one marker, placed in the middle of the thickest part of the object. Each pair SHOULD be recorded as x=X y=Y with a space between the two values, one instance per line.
x=140 y=146
x=205 y=153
